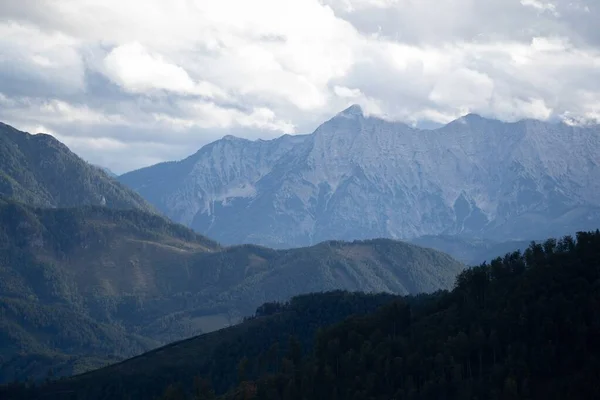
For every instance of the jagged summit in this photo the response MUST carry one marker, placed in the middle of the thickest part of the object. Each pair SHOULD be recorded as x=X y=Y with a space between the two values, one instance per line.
x=232 y=138
x=357 y=177
x=468 y=118
x=473 y=117
x=472 y=120
x=353 y=111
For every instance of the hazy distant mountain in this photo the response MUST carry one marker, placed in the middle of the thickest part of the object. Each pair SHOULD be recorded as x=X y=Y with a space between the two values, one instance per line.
x=41 y=171
x=79 y=287
x=471 y=251
x=362 y=177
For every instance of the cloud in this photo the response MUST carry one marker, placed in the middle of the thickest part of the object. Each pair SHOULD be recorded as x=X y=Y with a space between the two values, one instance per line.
x=137 y=71
x=345 y=92
x=34 y=62
x=54 y=111
x=208 y=115
x=541 y=6
x=471 y=89
x=112 y=75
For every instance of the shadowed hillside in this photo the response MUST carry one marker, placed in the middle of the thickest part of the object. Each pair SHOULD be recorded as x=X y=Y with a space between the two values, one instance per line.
x=524 y=326
x=217 y=355
x=102 y=284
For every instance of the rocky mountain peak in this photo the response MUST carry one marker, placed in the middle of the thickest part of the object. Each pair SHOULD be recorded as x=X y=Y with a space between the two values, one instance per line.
x=468 y=119
x=354 y=111
x=231 y=138
x=357 y=177
x=472 y=117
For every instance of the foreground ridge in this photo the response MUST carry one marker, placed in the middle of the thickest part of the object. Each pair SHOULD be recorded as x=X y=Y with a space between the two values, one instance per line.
x=523 y=326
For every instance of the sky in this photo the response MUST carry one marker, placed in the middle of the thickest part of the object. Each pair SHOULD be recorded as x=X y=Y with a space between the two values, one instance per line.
x=130 y=83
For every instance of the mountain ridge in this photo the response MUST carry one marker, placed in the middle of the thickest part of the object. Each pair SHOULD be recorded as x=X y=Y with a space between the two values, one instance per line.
x=42 y=171
x=357 y=177
x=523 y=326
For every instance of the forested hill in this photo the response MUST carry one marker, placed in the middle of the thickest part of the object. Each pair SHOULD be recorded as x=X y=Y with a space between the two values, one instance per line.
x=525 y=326
x=86 y=286
x=217 y=355
x=41 y=171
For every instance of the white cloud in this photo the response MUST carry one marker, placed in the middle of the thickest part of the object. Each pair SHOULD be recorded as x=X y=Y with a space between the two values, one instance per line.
x=346 y=92
x=515 y=109
x=55 y=111
x=34 y=58
x=121 y=156
x=540 y=6
x=92 y=144
x=5 y=101
x=137 y=71
x=350 y=6
x=590 y=112
x=470 y=89
x=209 y=115
x=193 y=70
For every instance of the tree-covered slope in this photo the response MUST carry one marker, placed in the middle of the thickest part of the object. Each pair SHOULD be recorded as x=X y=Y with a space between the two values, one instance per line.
x=379 y=265
x=216 y=355
x=94 y=282
x=41 y=171
x=88 y=282
x=525 y=326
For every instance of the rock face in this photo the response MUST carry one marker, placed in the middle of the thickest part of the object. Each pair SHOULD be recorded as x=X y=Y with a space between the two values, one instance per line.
x=360 y=177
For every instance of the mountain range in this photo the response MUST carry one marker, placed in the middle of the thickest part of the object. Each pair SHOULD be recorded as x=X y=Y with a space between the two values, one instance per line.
x=91 y=274
x=360 y=177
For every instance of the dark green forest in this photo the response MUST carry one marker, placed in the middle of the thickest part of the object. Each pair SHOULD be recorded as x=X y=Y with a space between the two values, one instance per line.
x=217 y=355
x=525 y=326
